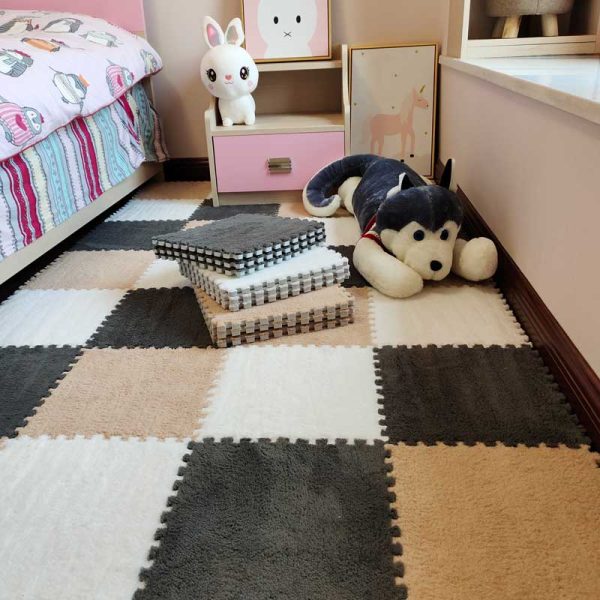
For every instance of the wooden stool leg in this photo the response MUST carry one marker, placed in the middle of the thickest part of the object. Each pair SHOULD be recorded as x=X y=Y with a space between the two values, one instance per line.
x=511 y=27
x=550 y=25
x=498 y=28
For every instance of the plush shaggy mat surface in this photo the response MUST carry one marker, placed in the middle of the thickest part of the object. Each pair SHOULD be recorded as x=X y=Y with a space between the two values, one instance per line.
x=422 y=451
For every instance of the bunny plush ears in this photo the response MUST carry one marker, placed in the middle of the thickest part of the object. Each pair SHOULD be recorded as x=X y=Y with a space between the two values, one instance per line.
x=214 y=36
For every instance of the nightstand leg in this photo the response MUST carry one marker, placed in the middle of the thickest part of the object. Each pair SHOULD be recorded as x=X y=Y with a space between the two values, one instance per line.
x=511 y=27
x=550 y=25
x=498 y=28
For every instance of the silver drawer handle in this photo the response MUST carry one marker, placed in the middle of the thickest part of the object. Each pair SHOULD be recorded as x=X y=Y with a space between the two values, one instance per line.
x=280 y=165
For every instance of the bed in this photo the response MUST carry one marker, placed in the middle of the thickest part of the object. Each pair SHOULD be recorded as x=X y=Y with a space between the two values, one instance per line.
x=78 y=131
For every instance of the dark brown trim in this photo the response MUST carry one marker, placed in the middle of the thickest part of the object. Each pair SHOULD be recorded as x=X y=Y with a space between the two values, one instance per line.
x=187 y=169
x=577 y=379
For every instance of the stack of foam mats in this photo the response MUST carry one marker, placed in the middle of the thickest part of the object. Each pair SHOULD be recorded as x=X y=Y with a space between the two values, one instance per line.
x=259 y=277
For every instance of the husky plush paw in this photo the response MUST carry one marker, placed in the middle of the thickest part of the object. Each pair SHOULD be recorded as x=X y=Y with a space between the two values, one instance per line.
x=384 y=271
x=476 y=259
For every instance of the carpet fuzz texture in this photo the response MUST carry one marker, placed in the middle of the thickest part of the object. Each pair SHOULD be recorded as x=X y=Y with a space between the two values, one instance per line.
x=490 y=523
x=472 y=395
x=421 y=451
x=220 y=527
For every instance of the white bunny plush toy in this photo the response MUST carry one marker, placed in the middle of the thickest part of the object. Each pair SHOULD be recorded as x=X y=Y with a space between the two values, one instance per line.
x=229 y=72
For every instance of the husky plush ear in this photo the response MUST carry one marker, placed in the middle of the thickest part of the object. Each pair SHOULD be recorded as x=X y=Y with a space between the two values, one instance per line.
x=403 y=184
x=213 y=34
x=447 y=178
x=235 y=32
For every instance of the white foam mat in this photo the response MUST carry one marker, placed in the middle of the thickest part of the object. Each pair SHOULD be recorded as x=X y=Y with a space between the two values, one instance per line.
x=313 y=270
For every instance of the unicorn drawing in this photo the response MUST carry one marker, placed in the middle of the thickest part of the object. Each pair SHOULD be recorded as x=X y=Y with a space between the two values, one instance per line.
x=401 y=123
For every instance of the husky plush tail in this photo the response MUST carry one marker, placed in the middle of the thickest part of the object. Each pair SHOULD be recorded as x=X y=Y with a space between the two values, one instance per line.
x=320 y=195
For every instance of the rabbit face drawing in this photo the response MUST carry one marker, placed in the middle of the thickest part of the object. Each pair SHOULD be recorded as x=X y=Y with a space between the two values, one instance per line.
x=287 y=27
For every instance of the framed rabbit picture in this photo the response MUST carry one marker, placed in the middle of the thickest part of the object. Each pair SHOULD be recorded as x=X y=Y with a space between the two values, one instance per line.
x=393 y=91
x=287 y=30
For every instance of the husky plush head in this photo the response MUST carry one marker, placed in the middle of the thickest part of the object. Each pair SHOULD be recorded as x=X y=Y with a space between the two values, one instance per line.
x=419 y=226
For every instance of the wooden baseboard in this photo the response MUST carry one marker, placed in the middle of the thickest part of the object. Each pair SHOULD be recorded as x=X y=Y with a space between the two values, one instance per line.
x=577 y=379
x=187 y=169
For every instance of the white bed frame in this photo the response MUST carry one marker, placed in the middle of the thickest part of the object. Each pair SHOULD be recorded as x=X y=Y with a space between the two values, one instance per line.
x=124 y=13
x=22 y=258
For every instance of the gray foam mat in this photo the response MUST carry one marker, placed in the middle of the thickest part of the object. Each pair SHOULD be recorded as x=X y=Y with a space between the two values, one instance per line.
x=277 y=521
x=242 y=244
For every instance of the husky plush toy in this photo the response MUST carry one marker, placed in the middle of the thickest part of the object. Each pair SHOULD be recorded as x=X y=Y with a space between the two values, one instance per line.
x=409 y=227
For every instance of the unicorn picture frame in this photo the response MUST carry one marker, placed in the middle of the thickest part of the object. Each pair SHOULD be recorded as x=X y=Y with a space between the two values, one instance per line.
x=393 y=103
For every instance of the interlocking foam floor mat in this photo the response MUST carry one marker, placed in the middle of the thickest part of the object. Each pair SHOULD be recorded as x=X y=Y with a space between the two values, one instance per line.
x=241 y=244
x=421 y=452
x=311 y=270
x=326 y=308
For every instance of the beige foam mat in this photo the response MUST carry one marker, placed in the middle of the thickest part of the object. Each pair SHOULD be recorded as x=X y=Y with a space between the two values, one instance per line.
x=488 y=523
x=326 y=308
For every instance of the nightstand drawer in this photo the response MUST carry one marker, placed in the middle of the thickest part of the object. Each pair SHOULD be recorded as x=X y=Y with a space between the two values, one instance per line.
x=262 y=163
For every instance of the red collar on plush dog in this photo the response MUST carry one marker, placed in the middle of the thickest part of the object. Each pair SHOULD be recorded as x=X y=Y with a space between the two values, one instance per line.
x=373 y=235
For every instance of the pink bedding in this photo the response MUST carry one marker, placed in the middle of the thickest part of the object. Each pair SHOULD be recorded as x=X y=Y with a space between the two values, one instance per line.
x=55 y=67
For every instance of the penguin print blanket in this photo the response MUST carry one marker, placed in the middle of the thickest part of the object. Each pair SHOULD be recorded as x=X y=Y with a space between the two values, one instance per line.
x=55 y=67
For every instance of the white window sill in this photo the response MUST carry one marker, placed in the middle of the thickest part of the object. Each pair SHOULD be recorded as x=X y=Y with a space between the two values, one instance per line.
x=569 y=83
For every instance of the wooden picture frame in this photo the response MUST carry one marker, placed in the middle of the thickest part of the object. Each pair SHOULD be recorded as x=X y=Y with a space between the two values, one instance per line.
x=272 y=43
x=393 y=100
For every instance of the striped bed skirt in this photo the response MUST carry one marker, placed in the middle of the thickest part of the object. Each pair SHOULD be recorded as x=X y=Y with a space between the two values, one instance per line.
x=43 y=186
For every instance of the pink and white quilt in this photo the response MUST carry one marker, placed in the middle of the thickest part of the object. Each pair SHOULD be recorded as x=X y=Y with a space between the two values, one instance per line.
x=55 y=67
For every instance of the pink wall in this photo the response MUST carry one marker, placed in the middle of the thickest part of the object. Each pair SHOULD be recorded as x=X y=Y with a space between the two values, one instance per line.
x=531 y=170
x=128 y=14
